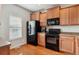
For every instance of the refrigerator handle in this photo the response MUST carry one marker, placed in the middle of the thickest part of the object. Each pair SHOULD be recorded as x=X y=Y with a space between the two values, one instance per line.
x=30 y=29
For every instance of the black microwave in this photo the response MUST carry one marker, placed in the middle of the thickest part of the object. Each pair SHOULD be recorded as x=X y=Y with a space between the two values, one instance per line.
x=53 y=21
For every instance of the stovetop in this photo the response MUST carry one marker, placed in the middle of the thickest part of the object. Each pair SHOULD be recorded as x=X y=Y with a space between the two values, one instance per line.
x=52 y=35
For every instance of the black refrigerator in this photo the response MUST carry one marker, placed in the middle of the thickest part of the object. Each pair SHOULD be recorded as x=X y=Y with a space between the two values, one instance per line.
x=33 y=27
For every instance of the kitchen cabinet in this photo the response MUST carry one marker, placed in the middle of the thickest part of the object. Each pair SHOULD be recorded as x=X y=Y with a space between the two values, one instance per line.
x=53 y=12
x=73 y=15
x=64 y=16
x=4 y=47
x=77 y=15
x=5 y=50
x=43 y=19
x=67 y=43
x=41 y=39
x=35 y=16
x=77 y=45
x=69 y=16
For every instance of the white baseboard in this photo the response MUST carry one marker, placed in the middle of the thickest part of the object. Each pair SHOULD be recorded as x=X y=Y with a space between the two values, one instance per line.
x=17 y=46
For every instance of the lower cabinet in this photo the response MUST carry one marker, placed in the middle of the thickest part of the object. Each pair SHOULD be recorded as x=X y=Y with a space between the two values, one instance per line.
x=77 y=45
x=5 y=50
x=41 y=39
x=67 y=43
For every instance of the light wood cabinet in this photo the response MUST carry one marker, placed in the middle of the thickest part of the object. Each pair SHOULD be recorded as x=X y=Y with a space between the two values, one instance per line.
x=73 y=15
x=69 y=16
x=41 y=39
x=53 y=12
x=43 y=19
x=5 y=50
x=77 y=45
x=67 y=43
x=77 y=22
x=64 y=16
x=35 y=16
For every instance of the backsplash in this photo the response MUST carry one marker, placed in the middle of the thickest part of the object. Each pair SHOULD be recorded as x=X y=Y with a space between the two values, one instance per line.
x=66 y=28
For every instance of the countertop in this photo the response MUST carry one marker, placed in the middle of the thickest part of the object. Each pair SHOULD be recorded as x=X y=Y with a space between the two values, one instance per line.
x=70 y=33
x=3 y=43
x=73 y=33
x=41 y=32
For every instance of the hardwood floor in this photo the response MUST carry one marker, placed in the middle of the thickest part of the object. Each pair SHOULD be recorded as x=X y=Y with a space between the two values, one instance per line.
x=33 y=50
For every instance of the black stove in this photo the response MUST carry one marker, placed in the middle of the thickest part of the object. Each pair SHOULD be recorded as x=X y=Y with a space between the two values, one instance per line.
x=52 y=35
x=52 y=39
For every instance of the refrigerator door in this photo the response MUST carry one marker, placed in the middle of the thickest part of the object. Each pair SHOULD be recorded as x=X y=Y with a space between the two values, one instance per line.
x=31 y=28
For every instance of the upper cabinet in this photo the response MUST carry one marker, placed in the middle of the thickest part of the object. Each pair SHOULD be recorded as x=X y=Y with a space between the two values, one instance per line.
x=35 y=16
x=43 y=19
x=77 y=15
x=64 y=16
x=73 y=15
x=53 y=12
x=69 y=16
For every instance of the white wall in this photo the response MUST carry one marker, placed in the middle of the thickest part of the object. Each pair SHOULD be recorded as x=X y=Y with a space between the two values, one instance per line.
x=0 y=23
x=14 y=10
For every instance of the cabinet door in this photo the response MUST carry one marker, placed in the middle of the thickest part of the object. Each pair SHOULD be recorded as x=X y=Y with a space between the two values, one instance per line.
x=77 y=45
x=64 y=16
x=5 y=50
x=73 y=15
x=77 y=15
x=41 y=39
x=49 y=13
x=43 y=19
x=35 y=16
x=67 y=44
x=56 y=12
x=53 y=12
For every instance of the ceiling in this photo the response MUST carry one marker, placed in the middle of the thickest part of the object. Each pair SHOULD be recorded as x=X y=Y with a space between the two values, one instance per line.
x=37 y=7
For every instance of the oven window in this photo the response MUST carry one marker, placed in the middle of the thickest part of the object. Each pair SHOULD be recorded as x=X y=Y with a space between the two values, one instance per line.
x=52 y=40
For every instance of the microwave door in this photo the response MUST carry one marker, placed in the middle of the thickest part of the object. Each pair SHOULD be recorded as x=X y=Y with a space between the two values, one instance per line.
x=53 y=22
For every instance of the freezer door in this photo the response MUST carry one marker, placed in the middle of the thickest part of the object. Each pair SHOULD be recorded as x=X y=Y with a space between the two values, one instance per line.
x=31 y=28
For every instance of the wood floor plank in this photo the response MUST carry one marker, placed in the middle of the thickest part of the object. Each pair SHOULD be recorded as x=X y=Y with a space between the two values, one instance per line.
x=33 y=50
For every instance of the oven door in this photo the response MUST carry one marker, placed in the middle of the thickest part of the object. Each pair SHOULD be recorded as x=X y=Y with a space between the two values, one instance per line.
x=52 y=40
x=52 y=43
